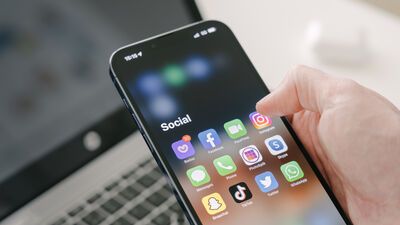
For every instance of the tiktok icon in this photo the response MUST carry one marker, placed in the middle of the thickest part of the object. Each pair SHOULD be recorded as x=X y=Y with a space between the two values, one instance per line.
x=240 y=192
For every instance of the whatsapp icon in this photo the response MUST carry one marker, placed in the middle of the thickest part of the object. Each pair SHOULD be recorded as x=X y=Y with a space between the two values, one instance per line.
x=292 y=171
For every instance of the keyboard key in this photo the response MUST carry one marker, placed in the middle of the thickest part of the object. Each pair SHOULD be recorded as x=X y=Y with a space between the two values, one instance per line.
x=146 y=181
x=94 y=218
x=129 y=174
x=129 y=193
x=132 y=172
x=121 y=221
x=146 y=162
x=167 y=188
x=111 y=186
x=111 y=206
x=156 y=199
x=156 y=173
x=59 y=221
x=94 y=198
x=182 y=219
x=75 y=211
x=161 y=219
x=139 y=212
x=176 y=207
x=79 y=223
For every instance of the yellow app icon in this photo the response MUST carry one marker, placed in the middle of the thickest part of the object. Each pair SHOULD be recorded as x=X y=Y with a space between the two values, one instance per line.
x=213 y=203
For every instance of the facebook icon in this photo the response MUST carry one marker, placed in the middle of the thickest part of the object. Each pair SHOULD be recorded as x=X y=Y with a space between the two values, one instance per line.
x=209 y=139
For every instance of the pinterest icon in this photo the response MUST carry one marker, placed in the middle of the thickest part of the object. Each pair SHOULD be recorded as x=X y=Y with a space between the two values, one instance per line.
x=260 y=121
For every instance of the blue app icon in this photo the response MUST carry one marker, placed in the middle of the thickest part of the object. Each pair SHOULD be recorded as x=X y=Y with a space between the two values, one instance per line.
x=209 y=139
x=266 y=182
x=276 y=145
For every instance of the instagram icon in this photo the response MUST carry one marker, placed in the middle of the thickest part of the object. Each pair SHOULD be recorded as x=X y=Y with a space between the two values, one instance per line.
x=260 y=121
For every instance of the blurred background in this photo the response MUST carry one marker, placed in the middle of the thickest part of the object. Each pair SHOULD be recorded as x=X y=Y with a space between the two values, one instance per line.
x=60 y=116
x=350 y=38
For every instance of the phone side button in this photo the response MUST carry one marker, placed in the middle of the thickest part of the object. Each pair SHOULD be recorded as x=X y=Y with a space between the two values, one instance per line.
x=125 y=103
x=158 y=161
x=133 y=115
x=138 y=125
x=147 y=142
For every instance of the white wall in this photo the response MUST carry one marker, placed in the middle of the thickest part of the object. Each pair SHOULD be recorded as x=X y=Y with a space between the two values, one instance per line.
x=273 y=34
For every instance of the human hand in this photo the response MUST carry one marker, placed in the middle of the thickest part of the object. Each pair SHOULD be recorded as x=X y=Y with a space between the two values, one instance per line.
x=352 y=134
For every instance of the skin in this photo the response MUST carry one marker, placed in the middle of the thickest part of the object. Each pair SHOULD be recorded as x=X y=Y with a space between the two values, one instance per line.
x=353 y=135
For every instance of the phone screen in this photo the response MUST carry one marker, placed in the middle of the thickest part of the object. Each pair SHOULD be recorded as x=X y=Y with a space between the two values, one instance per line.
x=194 y=92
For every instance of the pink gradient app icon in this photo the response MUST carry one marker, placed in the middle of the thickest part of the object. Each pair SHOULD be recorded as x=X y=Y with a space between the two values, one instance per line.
x=250 y=155
x=260 y=121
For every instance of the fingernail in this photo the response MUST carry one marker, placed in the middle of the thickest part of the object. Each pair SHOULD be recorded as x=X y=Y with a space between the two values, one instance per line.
x=262 y=100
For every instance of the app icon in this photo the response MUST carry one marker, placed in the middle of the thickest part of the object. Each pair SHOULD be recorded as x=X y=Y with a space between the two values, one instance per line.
x=266 y=182
x=240 y=192
x=213 y=203
x=292 y=171
x=276 y=145
x=224 y=165
x=183 y=149
x=235 y=129
x=209 y=139
x=260 y=121
x=174 y=75
x=198 y=175
x=250 y=155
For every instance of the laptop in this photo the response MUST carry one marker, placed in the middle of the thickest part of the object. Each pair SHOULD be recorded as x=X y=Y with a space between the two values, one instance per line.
x=69 y=151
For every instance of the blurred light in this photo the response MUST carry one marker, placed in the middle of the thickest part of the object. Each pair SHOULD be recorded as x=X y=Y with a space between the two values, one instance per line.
x=198 y=67
x=92 y=141
x=163 y=107
x=345 y=46
x=313 y=32
x=174 y=75
x=150 y=83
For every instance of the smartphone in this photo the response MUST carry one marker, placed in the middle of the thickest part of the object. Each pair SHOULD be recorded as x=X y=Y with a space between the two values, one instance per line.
x=192 y=93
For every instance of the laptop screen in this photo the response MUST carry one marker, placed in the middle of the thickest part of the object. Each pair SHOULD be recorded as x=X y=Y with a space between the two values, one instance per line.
x=54 y=62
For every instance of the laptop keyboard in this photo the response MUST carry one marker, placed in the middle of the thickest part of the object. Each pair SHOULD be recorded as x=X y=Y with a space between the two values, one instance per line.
x=141 y=196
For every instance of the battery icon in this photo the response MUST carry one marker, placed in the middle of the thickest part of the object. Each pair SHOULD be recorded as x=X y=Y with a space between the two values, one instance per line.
x=211 y=29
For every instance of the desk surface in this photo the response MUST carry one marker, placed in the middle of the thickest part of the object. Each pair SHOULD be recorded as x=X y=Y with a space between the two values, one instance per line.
x=272 y=33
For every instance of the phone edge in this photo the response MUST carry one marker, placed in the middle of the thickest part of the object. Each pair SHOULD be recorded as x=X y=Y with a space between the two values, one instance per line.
x=195 y=220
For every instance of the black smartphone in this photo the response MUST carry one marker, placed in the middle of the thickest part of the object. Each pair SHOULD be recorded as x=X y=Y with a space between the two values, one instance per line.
x=192 y=93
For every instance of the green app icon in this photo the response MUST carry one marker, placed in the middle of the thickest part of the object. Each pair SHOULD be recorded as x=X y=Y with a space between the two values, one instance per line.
x=174 y=75
x=198 y=175
x=235 y=129
x=224 y=165
x=292 y=171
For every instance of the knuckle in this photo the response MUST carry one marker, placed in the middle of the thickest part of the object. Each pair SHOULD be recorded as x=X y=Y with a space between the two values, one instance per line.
x=344 y=90
x=298 y=70
x=346 y=85
x=301 y=72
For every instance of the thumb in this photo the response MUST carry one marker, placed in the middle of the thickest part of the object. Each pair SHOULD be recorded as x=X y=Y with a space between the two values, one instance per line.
x=303 y=88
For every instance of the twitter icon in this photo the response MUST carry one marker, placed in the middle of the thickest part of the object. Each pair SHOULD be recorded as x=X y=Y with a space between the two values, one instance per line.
x=266 y=182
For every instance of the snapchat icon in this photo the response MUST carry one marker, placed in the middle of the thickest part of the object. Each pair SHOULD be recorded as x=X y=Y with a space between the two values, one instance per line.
x=213 y=203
